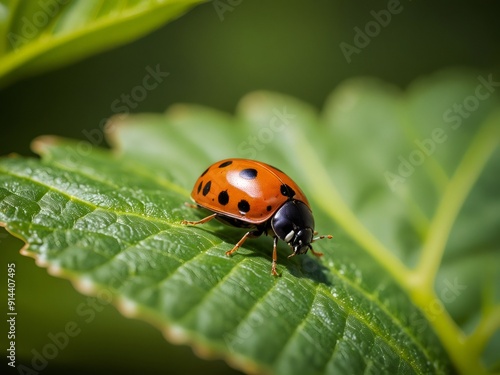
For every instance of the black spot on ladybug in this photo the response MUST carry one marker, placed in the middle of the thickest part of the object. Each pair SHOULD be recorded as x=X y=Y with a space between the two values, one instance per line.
x=199 y=186
x=269 y=208
x=223 y=198
x=206 y=170
x=206 y=189
x=287 y=191
x=225 y=164
x=248 y=174
x=243 y=206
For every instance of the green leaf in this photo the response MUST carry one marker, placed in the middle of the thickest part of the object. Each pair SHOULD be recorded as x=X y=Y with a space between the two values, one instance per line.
x=374 y=303
x=36 y=36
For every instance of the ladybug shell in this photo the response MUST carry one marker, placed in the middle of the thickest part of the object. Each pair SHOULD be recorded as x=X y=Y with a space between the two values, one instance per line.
x=245 y=189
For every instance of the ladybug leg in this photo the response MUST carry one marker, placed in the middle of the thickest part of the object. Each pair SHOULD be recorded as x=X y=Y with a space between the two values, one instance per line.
x=240 y=242
x=318 y=254
x=275 y=257
x=202 y=221
x=190 y=205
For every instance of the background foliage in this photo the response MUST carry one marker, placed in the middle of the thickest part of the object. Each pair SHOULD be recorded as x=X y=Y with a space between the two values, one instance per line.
x=215 y=59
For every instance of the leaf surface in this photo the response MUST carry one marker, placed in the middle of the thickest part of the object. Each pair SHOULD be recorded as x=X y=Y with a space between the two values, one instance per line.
x=110 y=222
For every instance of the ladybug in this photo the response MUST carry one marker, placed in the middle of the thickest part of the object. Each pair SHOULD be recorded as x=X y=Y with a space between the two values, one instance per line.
x=259 y=197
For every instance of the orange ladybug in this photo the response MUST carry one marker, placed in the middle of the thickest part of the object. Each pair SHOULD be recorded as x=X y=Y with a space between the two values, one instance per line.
x=250 y=194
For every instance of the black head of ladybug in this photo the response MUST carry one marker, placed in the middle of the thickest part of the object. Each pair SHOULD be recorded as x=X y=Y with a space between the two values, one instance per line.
x=294 y=224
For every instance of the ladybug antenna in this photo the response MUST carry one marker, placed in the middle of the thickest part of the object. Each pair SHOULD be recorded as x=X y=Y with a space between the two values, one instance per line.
x=328 y=236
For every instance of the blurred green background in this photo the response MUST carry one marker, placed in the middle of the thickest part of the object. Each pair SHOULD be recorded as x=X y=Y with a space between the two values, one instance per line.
x=289 y=46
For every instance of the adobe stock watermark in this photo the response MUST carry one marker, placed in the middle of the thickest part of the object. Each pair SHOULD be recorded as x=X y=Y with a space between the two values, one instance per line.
x=11 y=314
x=265 y=135
x=363 y=36
x=31 y=26
x=426 y=147
x=460 y=111
x=449 y=294
x=224 y=6
x=122 y=105
x=56 y=342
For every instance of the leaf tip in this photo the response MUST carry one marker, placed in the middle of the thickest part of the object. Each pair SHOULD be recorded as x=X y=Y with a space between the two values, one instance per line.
x=25 y=249
x=178 y=335
x=85 y=285
x=128 y=307
x=253 y=100
x=112 y=129
x=42 y=143
x=178 y=110
x=175 y=334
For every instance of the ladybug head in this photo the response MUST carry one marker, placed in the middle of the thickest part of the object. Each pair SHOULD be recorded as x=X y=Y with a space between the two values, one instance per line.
x=301 y=241
x=294 y=224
